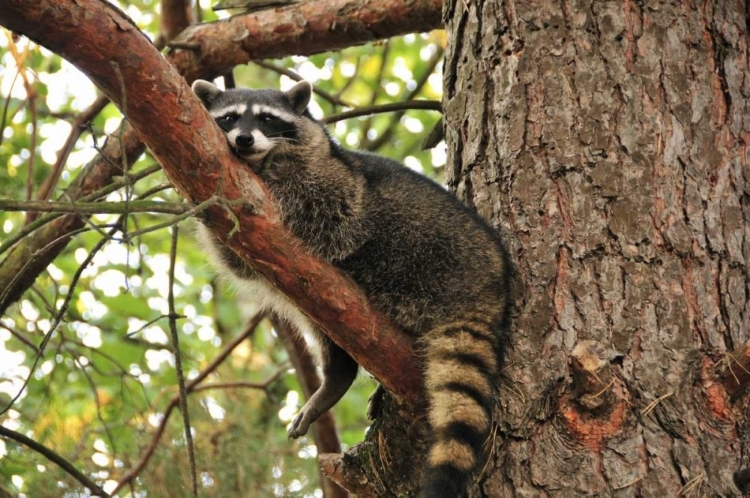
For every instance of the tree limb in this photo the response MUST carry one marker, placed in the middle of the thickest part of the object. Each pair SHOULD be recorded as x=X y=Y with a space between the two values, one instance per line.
x=185 y=134
x=95 y=207
x=54 y=457
x=301 y=29
x=176 y=15
x=429 y=105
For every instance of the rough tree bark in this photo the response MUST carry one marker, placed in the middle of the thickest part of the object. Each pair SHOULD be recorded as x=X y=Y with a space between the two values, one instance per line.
x=608 y=141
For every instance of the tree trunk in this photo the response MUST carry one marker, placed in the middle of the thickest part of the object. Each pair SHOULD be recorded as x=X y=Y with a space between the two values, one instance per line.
x=607 y=140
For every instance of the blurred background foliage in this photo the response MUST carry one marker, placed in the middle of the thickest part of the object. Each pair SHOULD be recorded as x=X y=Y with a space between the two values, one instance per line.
x=107 y=375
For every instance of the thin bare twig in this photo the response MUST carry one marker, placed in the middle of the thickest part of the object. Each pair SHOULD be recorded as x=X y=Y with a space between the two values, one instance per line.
x=95 y=395
x=139 y=206
x=351 y=80
x=6 y=106
x=263 y=386
x=429 y=105
x=53 y=457
x=296 y=77
x=178 y=362
x=421 y=82
x=378 y=87
x=18 y=335
x=43 y=220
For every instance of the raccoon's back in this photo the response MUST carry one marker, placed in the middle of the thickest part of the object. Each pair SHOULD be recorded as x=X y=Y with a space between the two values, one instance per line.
x=428 y=258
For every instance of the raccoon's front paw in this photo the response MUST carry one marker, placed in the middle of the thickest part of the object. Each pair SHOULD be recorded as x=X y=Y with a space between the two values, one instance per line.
x=301 y=423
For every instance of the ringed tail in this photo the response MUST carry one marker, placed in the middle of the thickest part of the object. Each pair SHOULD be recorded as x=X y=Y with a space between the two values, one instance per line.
x=461 y=367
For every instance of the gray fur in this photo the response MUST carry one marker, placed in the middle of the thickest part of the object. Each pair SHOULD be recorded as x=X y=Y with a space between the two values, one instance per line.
x=431 y=265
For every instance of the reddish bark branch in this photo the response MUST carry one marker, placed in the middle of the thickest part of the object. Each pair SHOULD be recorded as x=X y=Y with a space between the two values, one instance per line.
x=194 y=155
x=350 y=477
x=302 y=29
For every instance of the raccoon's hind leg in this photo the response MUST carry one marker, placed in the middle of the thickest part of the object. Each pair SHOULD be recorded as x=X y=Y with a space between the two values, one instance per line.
x=461 y=366
x=375 y=402
x=339 y=371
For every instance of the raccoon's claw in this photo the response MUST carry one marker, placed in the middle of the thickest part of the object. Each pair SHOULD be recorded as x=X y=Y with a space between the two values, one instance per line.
x=300 y=425
x=375 y=403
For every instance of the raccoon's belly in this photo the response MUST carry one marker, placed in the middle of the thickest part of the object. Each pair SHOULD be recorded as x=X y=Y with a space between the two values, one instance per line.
x=251 y=284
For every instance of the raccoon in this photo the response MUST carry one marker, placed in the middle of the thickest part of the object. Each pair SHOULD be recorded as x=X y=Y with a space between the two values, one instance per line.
x=427 y=262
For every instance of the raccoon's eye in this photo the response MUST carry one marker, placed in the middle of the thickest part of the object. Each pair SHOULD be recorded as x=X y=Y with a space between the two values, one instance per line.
x=230 y=118
x=266 y=118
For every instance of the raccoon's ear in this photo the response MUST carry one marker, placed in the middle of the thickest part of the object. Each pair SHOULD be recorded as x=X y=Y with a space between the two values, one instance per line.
x=299 y=96
x=206 y=91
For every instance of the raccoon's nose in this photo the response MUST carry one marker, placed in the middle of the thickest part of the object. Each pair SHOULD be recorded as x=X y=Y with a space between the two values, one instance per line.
x=244 y=141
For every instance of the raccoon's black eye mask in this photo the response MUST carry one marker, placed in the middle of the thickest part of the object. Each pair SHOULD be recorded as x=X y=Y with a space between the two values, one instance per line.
x=229 y=118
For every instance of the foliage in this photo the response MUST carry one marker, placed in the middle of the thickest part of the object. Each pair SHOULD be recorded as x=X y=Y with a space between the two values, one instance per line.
x=106 y=377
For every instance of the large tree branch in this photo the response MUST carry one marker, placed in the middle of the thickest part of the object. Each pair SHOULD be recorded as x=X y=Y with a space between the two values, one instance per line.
x=193 y=153
x=301 y=29
x=349 y=23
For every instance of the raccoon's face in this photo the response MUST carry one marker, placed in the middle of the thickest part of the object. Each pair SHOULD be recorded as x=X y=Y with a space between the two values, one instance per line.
x=256 y=121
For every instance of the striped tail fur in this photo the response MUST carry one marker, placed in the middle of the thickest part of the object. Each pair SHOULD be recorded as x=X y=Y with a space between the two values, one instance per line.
x=461 y=367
